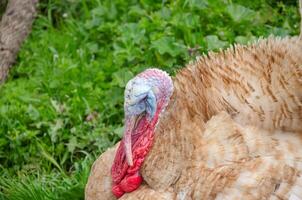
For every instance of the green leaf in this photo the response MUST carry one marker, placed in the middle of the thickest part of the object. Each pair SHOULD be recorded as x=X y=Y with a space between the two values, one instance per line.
x=240 y=13
x=279 y=31
x=33 y=112
x=214 y=43
x=54 y=129
x=93 y=47
x=244 y=39
x=168 y=45
x=197 y=4
x=119 y=131
x=50 y=158
x=132 y=32
x=72 y=144
x=121 y=77
x=136 y=11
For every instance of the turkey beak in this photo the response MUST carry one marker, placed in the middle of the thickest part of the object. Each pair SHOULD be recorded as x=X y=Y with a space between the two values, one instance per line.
x=130 y=126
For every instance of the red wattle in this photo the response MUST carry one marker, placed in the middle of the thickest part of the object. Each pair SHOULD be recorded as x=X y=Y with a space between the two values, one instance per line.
x=131 y=183
x=126 y=178
x=117 y=191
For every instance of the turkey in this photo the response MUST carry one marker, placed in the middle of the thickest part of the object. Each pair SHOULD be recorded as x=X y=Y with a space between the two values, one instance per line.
x=228 y=126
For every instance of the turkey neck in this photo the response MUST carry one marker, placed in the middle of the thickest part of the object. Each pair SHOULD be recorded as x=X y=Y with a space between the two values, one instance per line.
x=176 y=137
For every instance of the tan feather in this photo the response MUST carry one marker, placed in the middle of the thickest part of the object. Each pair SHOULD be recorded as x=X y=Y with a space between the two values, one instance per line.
x=99 y=181
x=258 y=84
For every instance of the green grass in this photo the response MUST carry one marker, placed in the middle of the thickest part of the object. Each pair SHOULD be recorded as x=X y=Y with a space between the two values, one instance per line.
x=62 y=104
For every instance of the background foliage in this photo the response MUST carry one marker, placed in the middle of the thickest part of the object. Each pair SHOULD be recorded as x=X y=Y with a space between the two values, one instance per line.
x=62 y=105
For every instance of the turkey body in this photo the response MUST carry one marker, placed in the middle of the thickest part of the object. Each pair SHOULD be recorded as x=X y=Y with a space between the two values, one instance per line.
x=229 y=161
x=232 y=130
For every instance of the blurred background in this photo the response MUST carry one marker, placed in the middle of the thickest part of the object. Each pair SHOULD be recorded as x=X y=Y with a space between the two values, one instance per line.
x=62 y=105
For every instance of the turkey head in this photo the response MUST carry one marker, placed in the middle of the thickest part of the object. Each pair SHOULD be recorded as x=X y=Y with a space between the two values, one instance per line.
x=146 y=97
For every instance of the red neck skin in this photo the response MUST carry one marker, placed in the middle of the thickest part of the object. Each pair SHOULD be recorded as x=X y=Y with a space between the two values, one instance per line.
x=127 y=178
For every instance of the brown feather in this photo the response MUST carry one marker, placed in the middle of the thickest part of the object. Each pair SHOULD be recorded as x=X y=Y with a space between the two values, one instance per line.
x=258 y=84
